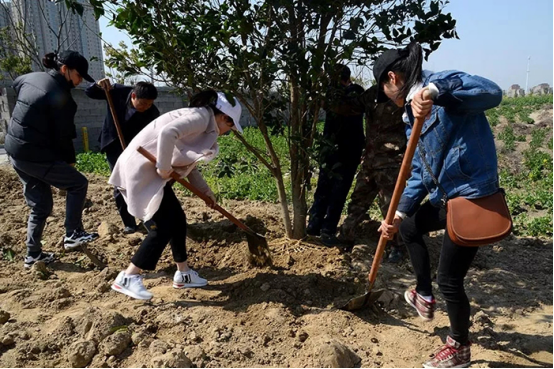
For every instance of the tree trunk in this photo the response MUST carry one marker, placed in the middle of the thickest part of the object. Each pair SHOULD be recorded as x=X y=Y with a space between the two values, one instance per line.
x=283 y=201
x=275 y=169
x=278 y=175
x=299 y=207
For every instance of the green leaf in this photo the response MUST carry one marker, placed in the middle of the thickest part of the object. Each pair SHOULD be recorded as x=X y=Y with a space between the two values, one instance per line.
x=9 y=254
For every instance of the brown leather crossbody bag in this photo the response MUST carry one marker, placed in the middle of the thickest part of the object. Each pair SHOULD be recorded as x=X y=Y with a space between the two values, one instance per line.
x=474 y=222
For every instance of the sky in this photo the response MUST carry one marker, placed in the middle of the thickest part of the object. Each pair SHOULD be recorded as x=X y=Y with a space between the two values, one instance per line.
x=496 y=39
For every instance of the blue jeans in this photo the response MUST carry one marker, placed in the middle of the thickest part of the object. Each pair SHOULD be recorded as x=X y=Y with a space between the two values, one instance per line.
x=37 y=179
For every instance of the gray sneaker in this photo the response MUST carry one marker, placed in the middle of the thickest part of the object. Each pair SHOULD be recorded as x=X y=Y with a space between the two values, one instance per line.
x=77 y=238
x=45 y=257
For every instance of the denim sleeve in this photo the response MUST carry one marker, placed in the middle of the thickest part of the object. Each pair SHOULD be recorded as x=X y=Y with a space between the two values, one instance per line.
x=464 y=93
x=415 y=190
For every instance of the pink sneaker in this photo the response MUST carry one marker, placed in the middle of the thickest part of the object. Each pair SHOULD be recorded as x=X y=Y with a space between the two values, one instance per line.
x=424 y=308
x=451 y=355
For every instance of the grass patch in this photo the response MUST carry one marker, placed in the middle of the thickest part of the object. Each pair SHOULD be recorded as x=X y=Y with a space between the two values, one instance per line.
x=510 y=138
x=92 y=162
x=517 y=109
x=537 y=138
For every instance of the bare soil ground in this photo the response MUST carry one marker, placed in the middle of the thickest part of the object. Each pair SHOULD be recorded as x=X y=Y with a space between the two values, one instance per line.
x=284 y=315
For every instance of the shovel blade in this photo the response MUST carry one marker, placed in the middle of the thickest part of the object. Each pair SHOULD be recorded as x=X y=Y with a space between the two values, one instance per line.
x=259 y=250
x=363 y=301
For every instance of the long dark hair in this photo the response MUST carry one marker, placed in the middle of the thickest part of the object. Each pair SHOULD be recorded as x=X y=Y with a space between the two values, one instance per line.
x=409 y=66
x=50 y=61
x=206 y=98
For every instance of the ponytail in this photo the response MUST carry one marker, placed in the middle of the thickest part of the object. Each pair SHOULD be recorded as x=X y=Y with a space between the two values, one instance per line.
x=50 y=61
x=409 y=66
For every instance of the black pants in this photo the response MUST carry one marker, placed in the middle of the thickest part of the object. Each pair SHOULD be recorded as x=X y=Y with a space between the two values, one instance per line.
x=330 y=195
x=112 y=154
x=169 y=224
x=454 y=263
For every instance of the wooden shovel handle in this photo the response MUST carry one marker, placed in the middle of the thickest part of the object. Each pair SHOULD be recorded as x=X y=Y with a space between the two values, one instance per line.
x=403 y=176
x=107 y=88
x=198 y=193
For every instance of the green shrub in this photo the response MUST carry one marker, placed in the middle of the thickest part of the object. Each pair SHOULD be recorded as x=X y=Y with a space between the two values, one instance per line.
x=91 y=162
x=537 y=138
x=540 y=226
x=509 y=138
x=536 y=163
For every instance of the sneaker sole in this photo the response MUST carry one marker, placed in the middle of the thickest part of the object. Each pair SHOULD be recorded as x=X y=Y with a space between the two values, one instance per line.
x=125 y=291
x=407 y=298
x=466 y=365
x=29 y=266
x=69 y=247
x=188 y=285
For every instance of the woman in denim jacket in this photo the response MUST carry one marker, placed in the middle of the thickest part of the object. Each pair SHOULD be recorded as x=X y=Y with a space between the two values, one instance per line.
x=457 y=146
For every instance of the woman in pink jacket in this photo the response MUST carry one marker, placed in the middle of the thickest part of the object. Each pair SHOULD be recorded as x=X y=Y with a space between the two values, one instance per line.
x=180 y=139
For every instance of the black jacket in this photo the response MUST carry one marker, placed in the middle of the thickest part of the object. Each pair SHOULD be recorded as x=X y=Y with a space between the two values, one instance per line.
x=121 y=97
x=42 y=126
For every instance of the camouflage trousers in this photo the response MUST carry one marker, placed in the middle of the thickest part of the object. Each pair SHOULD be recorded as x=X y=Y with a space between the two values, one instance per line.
x=371 y=183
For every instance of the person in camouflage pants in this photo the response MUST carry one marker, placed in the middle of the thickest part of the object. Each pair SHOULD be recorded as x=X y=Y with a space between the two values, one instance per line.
x=381 y=161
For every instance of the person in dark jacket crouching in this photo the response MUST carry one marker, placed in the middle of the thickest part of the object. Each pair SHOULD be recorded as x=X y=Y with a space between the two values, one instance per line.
x=134 y=108
x=39 y=143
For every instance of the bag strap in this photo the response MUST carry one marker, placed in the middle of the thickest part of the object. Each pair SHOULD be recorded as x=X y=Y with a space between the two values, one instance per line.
x=422 y=154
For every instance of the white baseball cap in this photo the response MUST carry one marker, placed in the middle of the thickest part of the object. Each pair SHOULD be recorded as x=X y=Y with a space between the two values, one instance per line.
x=227 y=107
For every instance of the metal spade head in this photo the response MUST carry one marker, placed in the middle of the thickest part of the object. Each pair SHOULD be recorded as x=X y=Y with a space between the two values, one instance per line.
x=363 y=301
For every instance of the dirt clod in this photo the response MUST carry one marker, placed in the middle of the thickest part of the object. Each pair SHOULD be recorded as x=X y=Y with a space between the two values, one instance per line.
x=81 y=353
x=4 y=316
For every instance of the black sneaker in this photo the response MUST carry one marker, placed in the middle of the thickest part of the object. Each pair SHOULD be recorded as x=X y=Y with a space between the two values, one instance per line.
x=312 y=231
x=45 y=257
x=330 y=240
x=78 y=238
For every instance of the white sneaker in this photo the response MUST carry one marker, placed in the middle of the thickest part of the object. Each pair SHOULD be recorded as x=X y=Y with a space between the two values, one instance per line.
x=131 y=286
x=188 y=279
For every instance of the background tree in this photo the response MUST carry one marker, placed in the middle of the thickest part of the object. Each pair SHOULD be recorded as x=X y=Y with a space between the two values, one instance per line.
x=273 y=56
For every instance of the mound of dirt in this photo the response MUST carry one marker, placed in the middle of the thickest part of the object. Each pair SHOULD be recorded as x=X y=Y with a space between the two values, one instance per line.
x=247 y=316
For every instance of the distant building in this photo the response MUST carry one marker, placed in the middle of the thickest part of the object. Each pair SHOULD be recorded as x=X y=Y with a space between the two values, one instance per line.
x=515 y=91
x=43 y=19
x=541 y=89
x=5 y=14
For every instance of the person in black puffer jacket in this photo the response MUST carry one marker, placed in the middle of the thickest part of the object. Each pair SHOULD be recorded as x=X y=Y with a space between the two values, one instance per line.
x=39 y=143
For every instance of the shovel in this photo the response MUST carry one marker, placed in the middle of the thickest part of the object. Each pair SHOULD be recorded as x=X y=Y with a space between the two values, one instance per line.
x=371 y=296
x=257 y=244
x=106 y=87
